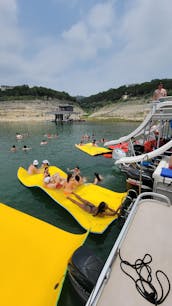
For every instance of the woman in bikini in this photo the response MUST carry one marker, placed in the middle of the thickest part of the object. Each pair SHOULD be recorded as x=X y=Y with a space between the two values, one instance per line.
x=69 y=185
x=102 y=209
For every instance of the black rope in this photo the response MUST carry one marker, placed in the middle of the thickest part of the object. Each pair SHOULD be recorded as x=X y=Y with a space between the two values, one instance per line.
x=144 y=284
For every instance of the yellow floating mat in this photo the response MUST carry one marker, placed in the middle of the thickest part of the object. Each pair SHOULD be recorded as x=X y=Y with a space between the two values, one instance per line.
x=33 y=259
x=92 y=150
x=93 y=193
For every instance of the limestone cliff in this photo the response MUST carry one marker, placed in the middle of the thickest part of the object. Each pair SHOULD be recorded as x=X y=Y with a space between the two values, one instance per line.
x=38 y=110
x=33 y=110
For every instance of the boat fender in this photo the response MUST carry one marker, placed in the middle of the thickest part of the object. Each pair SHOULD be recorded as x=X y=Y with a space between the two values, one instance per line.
x=118 y=154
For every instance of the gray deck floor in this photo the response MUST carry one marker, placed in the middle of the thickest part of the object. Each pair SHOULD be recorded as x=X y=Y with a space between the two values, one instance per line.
x=149 y=232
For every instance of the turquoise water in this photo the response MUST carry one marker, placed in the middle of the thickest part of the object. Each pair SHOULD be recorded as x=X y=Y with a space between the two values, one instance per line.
x=62 y=153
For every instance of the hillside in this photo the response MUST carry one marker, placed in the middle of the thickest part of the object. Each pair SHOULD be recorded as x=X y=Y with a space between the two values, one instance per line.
x=128 y=102
x=134 y=109
x=37 y=110
x=33 y=110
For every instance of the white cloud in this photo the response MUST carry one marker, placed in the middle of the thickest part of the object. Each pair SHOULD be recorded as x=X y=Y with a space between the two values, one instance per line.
x=92 y=34
x=52 y=57
x=147 y=32
x=11 y=39
x=101 y=51
x=101 y=16
x=76 y=34
x=11 y=42
x=144 y=36
x=147 y=24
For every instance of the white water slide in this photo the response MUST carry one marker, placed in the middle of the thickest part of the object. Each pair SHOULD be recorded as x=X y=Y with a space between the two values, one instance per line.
x=145 y=156
x=142 y=127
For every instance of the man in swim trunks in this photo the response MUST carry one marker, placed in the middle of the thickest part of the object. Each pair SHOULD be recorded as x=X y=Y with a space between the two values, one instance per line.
x=160 y=92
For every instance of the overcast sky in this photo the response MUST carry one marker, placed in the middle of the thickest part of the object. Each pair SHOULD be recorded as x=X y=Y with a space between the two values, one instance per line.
x=84 y=46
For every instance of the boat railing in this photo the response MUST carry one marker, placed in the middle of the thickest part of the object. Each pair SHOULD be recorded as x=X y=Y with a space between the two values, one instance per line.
x=105 y=273
x=167 y=98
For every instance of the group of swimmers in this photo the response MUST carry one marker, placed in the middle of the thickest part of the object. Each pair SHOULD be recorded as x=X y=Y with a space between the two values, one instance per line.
x=24 y=148
x=86 y=138
x=68 y=185
x=48 y=136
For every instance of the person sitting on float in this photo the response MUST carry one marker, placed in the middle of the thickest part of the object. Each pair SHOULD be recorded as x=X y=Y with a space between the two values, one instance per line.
x=33 y=168
x=53 y=182
x=45 y=164
x=94 y=143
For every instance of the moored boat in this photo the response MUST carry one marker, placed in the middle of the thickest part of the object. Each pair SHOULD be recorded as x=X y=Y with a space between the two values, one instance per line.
x=147 y=144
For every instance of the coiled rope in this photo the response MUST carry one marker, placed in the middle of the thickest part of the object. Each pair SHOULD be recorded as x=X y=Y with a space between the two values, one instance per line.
x=144 y=284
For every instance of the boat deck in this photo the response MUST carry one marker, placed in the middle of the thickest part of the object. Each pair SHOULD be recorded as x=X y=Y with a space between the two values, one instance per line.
x=147 y=232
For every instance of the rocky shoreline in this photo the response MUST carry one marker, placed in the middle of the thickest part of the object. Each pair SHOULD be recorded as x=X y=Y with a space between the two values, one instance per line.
x=41 y=110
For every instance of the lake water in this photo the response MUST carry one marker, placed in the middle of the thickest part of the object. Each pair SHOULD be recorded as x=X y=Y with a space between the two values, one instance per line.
x=61 y=152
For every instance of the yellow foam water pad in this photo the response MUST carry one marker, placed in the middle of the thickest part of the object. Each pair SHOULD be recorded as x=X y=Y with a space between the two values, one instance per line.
x=92 y=150
x=93 y=193
x=33 y=259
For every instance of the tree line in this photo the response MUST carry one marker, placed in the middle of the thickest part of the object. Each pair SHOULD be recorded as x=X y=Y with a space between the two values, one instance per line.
x=26 y=92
